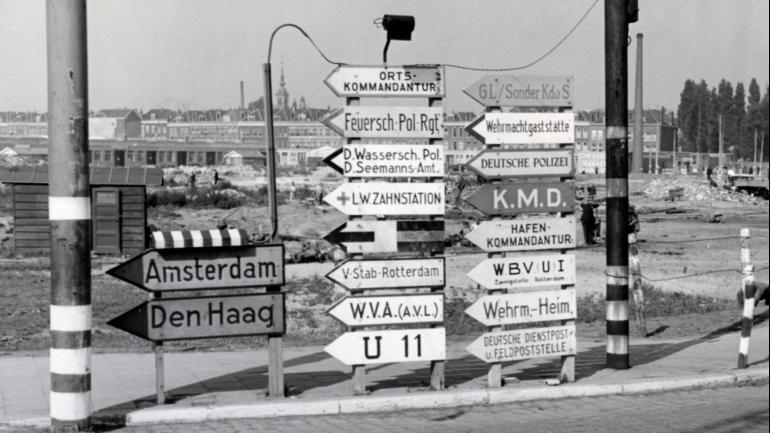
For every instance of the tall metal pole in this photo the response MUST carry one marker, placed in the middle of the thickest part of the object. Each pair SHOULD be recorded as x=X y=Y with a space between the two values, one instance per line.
x=721 y=161
x=69 y=211
x=638 y=110
x=616 y=94
x=275 y=343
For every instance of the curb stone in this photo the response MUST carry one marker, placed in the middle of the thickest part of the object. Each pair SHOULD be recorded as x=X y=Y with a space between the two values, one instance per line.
x=444 y=399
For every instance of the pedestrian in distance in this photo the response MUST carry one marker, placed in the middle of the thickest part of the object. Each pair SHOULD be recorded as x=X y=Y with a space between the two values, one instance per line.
x=633 y=220
x=292 y=190
x=588 y=222
x=216 y=177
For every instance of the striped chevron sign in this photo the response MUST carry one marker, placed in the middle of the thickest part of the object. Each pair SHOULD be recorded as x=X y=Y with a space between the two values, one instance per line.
x=198 y=238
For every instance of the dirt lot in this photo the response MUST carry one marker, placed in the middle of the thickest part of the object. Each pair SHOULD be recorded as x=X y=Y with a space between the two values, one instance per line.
x=692 y=300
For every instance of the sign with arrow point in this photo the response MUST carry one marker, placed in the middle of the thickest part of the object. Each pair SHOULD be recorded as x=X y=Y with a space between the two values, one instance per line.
x=389 y=274
x=523 y=128
x=514 y=163
x=525 y=271
x=522 y=91
x=527 y=307
x=525 y=234
x=519 y=198
x=388 y=160
x=386 y=122
x=204 y=268
x=386 y=81
x=502 y=346
x=389 y=309
x=383 y=198
x=205 y=317
x=391 y=236
x=379 y=347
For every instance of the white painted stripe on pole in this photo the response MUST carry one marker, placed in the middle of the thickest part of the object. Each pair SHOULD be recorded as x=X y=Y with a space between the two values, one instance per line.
x=748 y=308
x=216 y=238
x=69 y=208
x=235 y=237
x=70 y=317
x=197 y=238
x=745 y=232
x=745 y=255
x=617 y=281
x=617 y=271
x=70 y=406
x=71 y=361
x=177 y=240
x=158 y=240
x=617 y=344
x=617 y=310
x=743 y=346
x=616 y=132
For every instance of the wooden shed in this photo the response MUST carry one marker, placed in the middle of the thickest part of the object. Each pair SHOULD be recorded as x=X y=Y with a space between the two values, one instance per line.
x=118 y=208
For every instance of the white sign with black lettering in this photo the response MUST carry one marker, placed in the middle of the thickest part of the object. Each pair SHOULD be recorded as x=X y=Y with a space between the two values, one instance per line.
x=523 y=128
x=383 y=198
x=386 y=122
x=502 y=346
x=525 y=234
x=525 y=271
x=389 y=309
x=528 y=307
x=389 y=160
x=378 y=347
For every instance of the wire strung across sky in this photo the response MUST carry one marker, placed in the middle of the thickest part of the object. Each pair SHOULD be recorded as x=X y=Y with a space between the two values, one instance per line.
x=448 y=65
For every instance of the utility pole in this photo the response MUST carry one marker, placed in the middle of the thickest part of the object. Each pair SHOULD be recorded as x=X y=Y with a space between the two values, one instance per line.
x=754 y=168
x=616 y=18
x=69 y=212
x=638 y=110
x=721 y=160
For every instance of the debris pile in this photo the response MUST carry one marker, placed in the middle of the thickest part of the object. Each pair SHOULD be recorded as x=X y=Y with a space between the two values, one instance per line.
x=696 y=190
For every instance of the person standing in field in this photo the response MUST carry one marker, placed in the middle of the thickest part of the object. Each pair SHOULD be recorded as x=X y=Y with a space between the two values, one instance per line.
x=292 y=190
x=588 y=221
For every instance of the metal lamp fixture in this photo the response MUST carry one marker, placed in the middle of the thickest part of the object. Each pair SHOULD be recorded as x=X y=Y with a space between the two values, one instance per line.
x=398 y=28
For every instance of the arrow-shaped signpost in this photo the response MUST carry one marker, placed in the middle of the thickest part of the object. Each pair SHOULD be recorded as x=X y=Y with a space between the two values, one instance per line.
x=388 y=160
x=389 y=309
x=516 y=163
x=523 y=128
x=525 y=234
x=386 y=122
x=389 y=236
x=383 y=198
x=398 y=345
x=522 y=91
x=386 y=81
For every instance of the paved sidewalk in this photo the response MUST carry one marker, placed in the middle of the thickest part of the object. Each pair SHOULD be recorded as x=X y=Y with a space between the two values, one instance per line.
x=124 y=383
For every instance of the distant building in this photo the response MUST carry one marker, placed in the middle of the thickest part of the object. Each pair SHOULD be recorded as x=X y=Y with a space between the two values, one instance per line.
x=120 y=124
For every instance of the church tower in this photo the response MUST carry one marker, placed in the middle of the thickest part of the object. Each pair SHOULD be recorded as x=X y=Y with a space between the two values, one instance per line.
x=282 y=95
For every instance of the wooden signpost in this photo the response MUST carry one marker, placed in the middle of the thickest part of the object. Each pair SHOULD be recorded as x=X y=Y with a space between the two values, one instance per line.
x=516 y=163
x=525 y=234
x=386 y=122
x=388 y=160
x=398 y=345
x=205 y=317
x=389 y=309
x=502 y=346
x=507 y=203
x=389 y=236
x=527 y=307
x=520 y=198
x=400 y=239
x=387 y=81
x=523 y=128
x=383 y=198
x=204 y=268
x=525 y=271
x=389 y=273
x=522 y=91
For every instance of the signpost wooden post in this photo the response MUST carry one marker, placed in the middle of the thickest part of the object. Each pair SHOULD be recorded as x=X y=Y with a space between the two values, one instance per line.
x=416 y=242
x=507 y=203
x=209 y=268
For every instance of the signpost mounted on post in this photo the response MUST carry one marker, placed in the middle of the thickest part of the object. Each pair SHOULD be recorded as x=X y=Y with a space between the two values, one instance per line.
x=404 y=237
x=500 y=273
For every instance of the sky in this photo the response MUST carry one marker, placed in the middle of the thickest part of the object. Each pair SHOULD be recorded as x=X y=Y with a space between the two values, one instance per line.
x=192 y=54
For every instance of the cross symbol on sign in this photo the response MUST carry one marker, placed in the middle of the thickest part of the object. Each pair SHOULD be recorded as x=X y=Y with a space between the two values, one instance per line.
x=343 y=198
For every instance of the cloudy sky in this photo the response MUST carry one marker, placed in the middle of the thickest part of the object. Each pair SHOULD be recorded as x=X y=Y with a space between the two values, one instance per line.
x=193 y=53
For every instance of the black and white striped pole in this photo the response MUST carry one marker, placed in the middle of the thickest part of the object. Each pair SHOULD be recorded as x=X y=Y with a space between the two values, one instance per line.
x=617 y=15
x=749 y=291
x=69 y=211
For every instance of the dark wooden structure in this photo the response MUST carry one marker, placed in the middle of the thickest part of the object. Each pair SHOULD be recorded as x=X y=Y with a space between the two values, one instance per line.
x=118 y=208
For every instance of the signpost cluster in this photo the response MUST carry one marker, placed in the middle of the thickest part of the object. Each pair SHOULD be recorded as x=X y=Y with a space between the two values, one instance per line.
x=526 y=165
x=394 y=197
x=184 y=270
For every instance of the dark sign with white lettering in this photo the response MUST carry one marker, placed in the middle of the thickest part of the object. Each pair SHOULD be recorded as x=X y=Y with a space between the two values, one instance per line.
x=205 y=317
x=518 y=198
x=204 y=268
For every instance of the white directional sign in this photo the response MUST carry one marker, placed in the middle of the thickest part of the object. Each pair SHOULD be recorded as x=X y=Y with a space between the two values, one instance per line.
x=528 y=307
x=502 y=346
x=383 y=198
x=512 y=163
x=386 y=81
x=378 y=347
x=523 y=128
x=386 y=122
x=389 y=309
x=525 y=271
x=525 y=234
x=388 y=160
x=389 y=274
